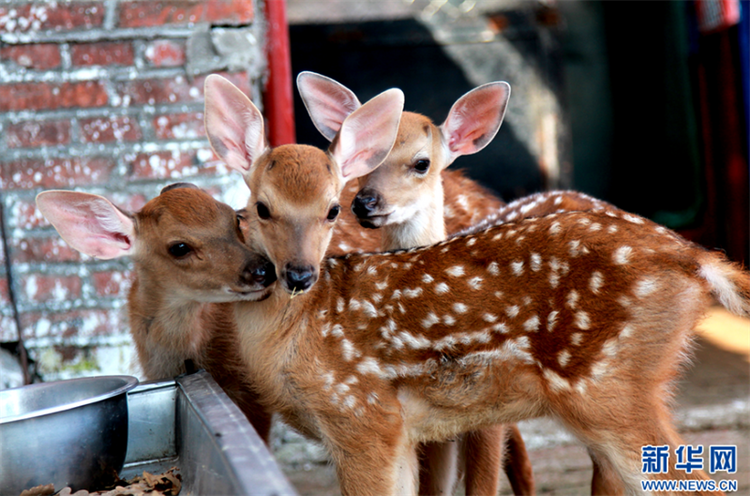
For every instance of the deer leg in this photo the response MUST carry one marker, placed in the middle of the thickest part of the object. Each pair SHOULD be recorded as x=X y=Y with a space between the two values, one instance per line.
x=482 y=457
x=375 y=465
x=438 y=468
x=516 y=463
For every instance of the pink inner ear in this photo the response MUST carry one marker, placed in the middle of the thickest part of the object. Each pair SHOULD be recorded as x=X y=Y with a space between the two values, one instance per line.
x=475 y=118
x=89 y=223
x=233 y=124
x=328 y=102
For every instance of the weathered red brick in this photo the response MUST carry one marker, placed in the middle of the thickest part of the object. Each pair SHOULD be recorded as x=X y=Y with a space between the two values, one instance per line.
x=40 y=96
x=55 y=173
x=38 y=133
x=179 y=126
x=165 y=53
x=54 y=249
x=172 y=90
x=25 y=215
x=164 y=165
x=4 y=293
x=39 y=56
x=106 y=129
x=59 y=16
x=154 y=91
x=150 y=13
x=7 y=329
x=74 y=323
x=111 y=283
x=40 y=288
x=105 y=53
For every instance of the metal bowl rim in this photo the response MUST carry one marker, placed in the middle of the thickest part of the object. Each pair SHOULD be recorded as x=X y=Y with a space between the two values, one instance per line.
x=129 y=383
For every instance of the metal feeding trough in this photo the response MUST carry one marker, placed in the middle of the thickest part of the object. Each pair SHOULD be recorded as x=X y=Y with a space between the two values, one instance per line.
x=190 y=423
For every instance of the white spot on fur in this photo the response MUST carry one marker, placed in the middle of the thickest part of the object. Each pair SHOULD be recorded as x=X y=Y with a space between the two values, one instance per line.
x=501 y=328
x=555 y=228
x=448 y=320
x=512 y=311
x=626 y=332
x=582 y=320
x=622 y=255
x=460 y=308
x=532 y=324
x=427 y=279
x=493 y=268
x=455 y=271
x=349 y=351
x=556 y=383
x=632 y=218
x=488 y=317
x=340 y=305
x=563 y=358
x=572 y=299
x=596 y=282
x=471 y=241
x=380 y=286
x=516 y=268
x=645 y=287
x=396 y=294
x=475 y=283
x=354 y=305
x=430 y=320
x=576 y=338
x=441 y=288
x=369 y=365
x=369 y=309
x=412 y=293
x=337 y=331
x=552 y=320
x=574 y=248
x=536 y=262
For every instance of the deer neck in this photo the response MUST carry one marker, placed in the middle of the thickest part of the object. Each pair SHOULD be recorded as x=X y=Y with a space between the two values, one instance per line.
x=425 y=227
x=168 y=319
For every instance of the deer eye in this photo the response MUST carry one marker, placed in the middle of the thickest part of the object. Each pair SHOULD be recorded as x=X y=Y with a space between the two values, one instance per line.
x=422 y=165
x=179 y=250
x=263 y=211
x=333 y=213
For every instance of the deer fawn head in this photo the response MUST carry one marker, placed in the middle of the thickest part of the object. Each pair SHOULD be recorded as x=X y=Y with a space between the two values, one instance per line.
x=296 y=188
x=405 y=193
x=192 y=242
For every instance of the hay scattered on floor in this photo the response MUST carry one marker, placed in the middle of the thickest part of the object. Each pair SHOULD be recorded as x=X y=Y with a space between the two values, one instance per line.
x=167 y=484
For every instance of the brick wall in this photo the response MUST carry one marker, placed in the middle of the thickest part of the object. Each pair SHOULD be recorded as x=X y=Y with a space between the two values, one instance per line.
x=104 y=97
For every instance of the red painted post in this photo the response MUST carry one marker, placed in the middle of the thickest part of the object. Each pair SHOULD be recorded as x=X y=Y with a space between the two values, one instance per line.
x=278 y=102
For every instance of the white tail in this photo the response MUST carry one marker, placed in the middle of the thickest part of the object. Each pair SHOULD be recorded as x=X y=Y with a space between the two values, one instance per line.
x=404 y=197
x=189 y=262
x=575 y=315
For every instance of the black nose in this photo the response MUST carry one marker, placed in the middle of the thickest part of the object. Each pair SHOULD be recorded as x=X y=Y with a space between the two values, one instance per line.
x=299 y=278
x=259 y=273
x=364 y=204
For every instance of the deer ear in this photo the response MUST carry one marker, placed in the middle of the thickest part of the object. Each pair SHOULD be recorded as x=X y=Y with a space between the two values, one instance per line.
x=327 y=101
x=89 y=223
x=233 y=124
x=474 y=119
x=367 y=135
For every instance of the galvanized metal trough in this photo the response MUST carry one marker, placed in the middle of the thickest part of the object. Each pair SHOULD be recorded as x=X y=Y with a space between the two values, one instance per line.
x=190 y=423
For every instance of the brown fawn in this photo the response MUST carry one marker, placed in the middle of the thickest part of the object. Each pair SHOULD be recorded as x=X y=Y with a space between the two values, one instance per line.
x=466 y=202
x=404 y=197
x=190 y=261
x=582 y=316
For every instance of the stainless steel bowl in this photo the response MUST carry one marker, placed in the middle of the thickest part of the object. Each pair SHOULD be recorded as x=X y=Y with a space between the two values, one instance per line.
x=68 y=433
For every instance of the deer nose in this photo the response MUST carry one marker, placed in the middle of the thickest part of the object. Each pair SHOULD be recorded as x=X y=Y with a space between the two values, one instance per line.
x=364 y=204
x=299 y=278
x=263 y=274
